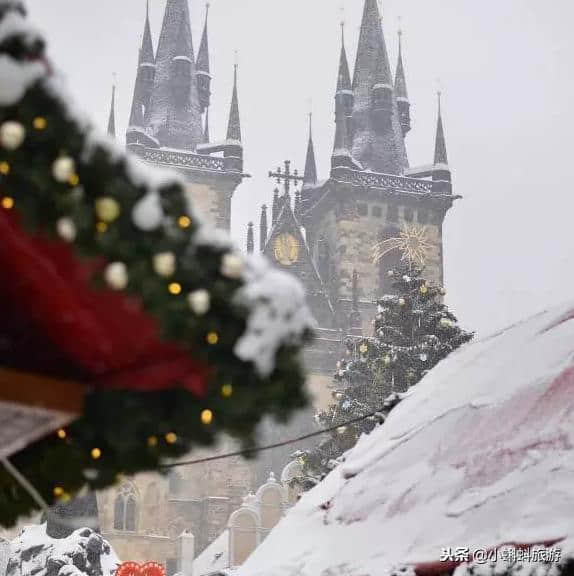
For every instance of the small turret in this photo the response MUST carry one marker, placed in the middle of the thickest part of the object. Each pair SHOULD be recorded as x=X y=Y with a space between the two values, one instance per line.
x=401 y=92
x=263 y=228
x=112 y=118
x=250 y=239
x=276 y=206
x=234 y=146
x=203 y=68
x=441 y=172
x=310 y=175
x=143 y=89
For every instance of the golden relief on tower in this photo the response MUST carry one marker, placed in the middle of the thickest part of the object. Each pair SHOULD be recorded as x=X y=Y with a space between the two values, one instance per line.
x=286 y=249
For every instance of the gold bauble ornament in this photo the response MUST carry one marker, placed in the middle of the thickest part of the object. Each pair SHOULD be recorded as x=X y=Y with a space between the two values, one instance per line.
x=207 y=417
x=107 y=209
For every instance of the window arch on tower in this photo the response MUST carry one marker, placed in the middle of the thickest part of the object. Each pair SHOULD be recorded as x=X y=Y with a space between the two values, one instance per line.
x=126 y=508
x=388 y=261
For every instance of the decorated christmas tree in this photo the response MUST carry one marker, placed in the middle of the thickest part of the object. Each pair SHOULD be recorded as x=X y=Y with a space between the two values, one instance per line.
x=414 y=331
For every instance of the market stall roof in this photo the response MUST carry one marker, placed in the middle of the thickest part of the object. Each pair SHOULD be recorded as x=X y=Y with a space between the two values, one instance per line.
x=479 y=454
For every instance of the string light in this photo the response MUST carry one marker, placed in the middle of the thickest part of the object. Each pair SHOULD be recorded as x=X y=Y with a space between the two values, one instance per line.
x=101 y=227
x=152 y=441
x=4 y=168
x=58 y=491
x=184 y=222
x=175 y=288
x=74 y=180
x=213 y=338
x=40 y=123
x=207 y=417
x=96 y=453
x=227 y=390
x=61 y=434
x=171 y=437
x=7 y=203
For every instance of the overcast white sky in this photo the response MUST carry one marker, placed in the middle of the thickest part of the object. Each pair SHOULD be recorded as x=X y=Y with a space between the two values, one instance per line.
x=505 y=67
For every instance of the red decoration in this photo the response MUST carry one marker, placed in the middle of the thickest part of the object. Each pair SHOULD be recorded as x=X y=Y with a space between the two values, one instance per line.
x=135 y=569
x=56 y=323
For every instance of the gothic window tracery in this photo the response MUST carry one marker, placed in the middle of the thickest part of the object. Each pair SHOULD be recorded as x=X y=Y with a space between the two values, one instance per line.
x=126 y=508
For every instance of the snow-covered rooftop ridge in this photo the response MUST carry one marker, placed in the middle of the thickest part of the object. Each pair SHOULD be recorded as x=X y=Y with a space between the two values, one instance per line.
x=83 y=553
x=481 y=453
x=214 y=558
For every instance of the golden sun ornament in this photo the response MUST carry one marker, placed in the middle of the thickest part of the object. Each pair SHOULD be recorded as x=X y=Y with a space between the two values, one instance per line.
x=412 y=242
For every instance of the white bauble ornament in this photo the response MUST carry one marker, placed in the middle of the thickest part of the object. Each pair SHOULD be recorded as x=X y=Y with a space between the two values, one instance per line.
x=445 y=323
x=63 y=169
x=116 y=275
x=66 y=229
x=232 y=266
x=342 y=429
x=147 y=214
x=12 y=135
x=402 y=301
x=164 y=264
x=199 y=302
x=390 y=273
x=423 y=357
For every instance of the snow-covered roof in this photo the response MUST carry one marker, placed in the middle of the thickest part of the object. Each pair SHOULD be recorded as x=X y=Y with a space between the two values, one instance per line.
x=480 y=453
x=214 y=558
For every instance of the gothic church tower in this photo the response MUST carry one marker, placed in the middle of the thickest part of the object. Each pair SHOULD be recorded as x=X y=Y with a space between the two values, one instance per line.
x=169 y=120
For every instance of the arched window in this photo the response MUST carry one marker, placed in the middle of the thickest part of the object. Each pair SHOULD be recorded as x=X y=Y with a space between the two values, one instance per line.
x=126 y=508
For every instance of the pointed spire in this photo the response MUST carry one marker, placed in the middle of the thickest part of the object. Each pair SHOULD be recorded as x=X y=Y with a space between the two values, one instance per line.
x=400 y=80
x=378 y=142
x=203 y=70
x=203 y=54
x=276 y=206
x=234 y=125
x=344 y=77
x=174 y=117
x=298 y=204
x=440 y=155
x=144 y=78
x=250 y=239
x=112 y=118
x=263 y=228
x=401 y=91
x=146 y=53
x=310 y=175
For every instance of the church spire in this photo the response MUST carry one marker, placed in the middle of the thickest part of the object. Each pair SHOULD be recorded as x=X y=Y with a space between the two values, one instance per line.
x=344 y=77
x=144 y=81
x=234 y=124
x=401 y=91
x=310 y=175
x=112 y=118
x=174 y=117
x=440 y=155
x=344 y=100
x=203 y=70
x=378 y=142
x=441 y=172
x=250 y=239
x=263 y=229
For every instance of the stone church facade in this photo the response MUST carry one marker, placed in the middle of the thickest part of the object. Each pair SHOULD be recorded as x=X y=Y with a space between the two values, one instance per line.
x=322 y=231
